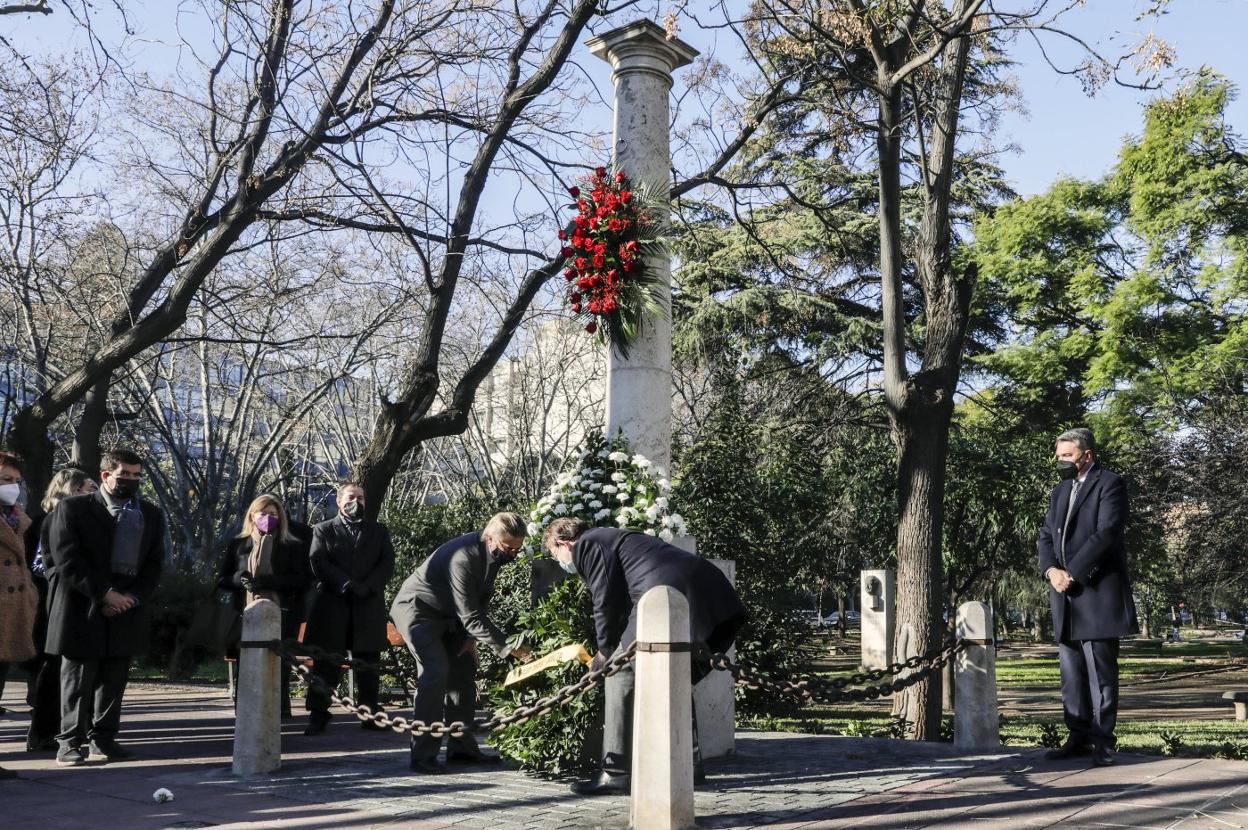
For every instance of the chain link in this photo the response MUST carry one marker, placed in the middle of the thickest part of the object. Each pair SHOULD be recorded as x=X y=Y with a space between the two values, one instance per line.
x=832 y=690
x=811 y=689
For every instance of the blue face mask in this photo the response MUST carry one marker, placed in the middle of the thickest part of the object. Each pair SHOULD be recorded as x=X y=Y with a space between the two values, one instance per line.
x=567 y=566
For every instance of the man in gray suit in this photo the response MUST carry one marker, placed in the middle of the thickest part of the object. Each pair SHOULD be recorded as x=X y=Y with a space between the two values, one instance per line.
x=441 y=611
x=1083 y=557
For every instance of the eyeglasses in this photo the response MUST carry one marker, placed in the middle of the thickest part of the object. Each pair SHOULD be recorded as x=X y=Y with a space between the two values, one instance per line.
x=514 y=551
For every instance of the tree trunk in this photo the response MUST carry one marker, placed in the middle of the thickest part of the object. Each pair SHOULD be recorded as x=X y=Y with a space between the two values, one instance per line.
x=94 y=416
x=28 y=437
x=921 y=433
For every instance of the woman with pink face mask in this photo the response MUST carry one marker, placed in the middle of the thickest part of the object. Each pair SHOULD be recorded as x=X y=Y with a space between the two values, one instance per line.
x=287 y=576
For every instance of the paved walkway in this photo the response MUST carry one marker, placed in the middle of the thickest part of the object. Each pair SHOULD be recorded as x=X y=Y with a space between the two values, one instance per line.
x=350 y=778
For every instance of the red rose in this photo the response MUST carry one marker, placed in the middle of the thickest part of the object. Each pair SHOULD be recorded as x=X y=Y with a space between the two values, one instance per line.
x=576 y=308
x=581 y=263
x=614 y=225
x=626 y=196
x=609 y=305
x=619 y=177
x=601 y=248
x=631 y=245
x=563 y=235
x=566 y=252
x=628 y=266
x=613 y=277
x=581 y=221
x=604 y=212
x=594 y=222
x=591 y=326
x=595 y=307
x=575 y=191
x=601 y=171
x=599 y=260
x=584 y=283
x=576 y=297
x=569 y=274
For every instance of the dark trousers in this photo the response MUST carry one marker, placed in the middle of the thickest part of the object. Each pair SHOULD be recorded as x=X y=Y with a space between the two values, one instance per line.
x=446 y=684
x=1090 y=689
x=44 y=696
x=91 y=693
x=367 y=684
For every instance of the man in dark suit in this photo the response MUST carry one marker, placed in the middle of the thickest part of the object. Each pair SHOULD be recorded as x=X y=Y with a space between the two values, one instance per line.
x=352 y=560
x=618 y=567
x=109 y=547
x=441 y=611
x=1084 y=559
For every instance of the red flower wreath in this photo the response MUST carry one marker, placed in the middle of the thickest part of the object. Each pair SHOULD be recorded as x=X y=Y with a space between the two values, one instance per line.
x=608 y=281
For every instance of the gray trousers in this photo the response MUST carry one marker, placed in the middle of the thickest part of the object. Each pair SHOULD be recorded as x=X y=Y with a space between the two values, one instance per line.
x=446 y=684
x=91 y=693
x=617 y=725
x=1090 y=689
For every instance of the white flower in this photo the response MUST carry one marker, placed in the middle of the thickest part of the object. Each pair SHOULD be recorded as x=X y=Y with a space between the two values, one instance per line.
x=652 y=513
x=661 y=502
x=162 y=795
x=560 y=509
x=649 y=531
x=563 y=479
x=623 y=496
x=617 y=456
x=618 y=477
x=602 y=514
x=664 y=484
x=678 y=519
x=641 y=462
x=610 y=488
x=534 y=529
x=595 y=486
x=595 y=504
x=667 y=521
x=666 y=535
x=621 y=520
x=603 y=453
x=577 y=508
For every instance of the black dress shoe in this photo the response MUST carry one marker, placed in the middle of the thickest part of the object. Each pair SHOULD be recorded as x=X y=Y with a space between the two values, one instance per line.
x=426 y=766
x=1070 y=749
x=472 y=758
x=1103 y=756
x=605 y=783
x=315 y=727
x=108 y=751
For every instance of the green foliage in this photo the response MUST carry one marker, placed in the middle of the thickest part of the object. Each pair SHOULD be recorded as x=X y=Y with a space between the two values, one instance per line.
x=1172 y=743
x=419 y=530
x=172 y=606
x=1050 y=735
x=555 y=744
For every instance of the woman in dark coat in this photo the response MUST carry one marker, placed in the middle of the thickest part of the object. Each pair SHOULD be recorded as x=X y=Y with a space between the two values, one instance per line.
x=284 y=581
x=44 y=695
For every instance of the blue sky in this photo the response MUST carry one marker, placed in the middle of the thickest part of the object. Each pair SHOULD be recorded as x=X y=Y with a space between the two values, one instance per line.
x=1063 y=131
x=1067 y=132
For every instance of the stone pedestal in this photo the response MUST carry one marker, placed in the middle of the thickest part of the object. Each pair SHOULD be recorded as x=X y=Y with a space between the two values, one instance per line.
x=878 y=600
x=258 y=713
x=975 y=721
x=662 y=772
x=639 y=387
x=715 y=697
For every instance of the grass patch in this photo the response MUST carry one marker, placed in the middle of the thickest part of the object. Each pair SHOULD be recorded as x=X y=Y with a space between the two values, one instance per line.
x=1182 y=738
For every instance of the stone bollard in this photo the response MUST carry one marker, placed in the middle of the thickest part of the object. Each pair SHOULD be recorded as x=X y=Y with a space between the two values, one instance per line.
x=975 y=721
x=715 y=697
x=662 y=774
x=258 y=714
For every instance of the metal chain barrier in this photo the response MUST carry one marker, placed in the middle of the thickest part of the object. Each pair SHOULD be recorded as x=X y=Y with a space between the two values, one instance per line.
x=811 y=689
x=438 y=729
x=832 y=690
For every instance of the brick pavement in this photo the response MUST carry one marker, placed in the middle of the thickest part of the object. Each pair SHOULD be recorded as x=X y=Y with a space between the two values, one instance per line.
x=350 y=778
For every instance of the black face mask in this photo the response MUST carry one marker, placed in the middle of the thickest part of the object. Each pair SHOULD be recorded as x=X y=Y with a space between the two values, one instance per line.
x=1067 y=470
x=125 y=488
x=354 y=510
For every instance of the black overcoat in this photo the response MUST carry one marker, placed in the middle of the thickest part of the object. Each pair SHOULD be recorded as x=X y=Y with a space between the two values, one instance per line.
x=80 y=537
x=1099 y=606
x=619 y=566
x=338 y=557
x=292 y=573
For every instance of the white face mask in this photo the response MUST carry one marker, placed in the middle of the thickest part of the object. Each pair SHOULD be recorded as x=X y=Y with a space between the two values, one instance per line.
x=9 y=493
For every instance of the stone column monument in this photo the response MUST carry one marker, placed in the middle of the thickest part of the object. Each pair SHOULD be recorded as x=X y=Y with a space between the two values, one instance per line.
x=639 y=387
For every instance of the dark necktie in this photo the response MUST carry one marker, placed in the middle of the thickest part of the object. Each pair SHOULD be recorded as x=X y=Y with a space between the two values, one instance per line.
x=1070 y=509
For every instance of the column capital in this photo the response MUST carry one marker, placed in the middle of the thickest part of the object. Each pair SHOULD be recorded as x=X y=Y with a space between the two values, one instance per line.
x=641 y=46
